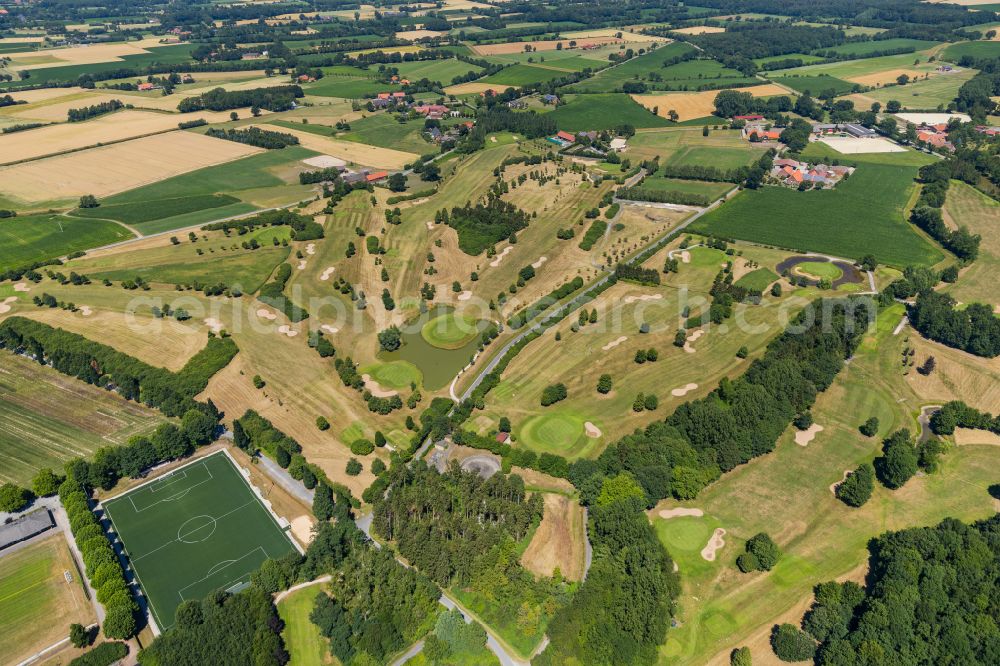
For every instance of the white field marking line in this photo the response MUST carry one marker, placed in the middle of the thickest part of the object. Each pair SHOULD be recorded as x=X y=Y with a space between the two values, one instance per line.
x=176 y=496
x=260 y=500
x=135 y=572
x=173 y=541
x=173 y=476
x=196 y=461
x=225 y=564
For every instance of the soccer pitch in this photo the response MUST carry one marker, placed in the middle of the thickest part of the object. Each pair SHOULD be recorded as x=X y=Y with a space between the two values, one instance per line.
x=192 y=531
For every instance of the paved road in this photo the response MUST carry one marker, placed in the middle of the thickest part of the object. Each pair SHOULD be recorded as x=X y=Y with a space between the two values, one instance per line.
x=285 y=480
x=414 y=650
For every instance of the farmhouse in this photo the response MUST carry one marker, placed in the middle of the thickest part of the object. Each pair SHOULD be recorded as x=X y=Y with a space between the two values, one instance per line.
x=843 y=129
x=935 y=135
x=377 y=176
x=792 y=173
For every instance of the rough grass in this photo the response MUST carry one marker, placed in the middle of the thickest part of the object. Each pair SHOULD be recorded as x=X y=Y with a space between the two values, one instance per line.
x=758 y=279
x=721 y=157
x=814 y=85
x=923 y=94
x=968 y=207
x=711 y=190
x=30 y=238
x=862 y=215
x=821 y=537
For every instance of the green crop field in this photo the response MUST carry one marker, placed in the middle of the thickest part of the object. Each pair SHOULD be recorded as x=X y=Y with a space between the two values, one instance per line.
x=865 y=48
x=146 y=211
x=955 y=52
x=862 y=215
x=166 y=55
x=605 y=111
x=385 y=131
x=847 y=69
x=37 y=604
x=332 y=86
x=804 y=57
x=521 y=75
x=814 y=85
x=194 y=530
x=435 y=70
x=721 y=157
x=637 y=68
x=30 y=238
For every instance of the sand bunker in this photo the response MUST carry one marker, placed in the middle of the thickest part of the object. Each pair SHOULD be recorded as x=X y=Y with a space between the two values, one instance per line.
x=329 y=329
x=592 y=430
x=287 y=330
x=614 y=343
x=685 y=257
x=833 y=486
x=265 y=314
x=5 y=304
x=86 y=311
x=679 y=512
x=375 y=388
x=311 y=249
x=327 y=273
x=213 y=324
x=538 y=264
x=302 y=529
x=803 y=437
x=430 y=225
x=715 y=543
x=683 y=390
x=302 y=264
x=22 y=287
x=465 y=295
x=497 y=259
x=645 y=297
x=692 y=338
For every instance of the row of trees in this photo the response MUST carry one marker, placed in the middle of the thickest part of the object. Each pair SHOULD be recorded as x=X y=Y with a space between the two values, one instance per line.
x=273 y=294
x=77 y=115
x=304 y=227
x=172 y=392
x=255 y=136
x=278 y=98
x=927 y=214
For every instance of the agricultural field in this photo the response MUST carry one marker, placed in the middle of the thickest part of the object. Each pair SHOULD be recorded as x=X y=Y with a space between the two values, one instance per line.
x=861 y=70
x=694 y=105
x=929 y=93
x=815 y=84
x=638 y=68
x=822 y=538
x=37 y=602
x=711 y=190
x=30 y=238
x=603 y=111
x=979 y=49
x=687 y=145
x=862 y=49
x=967 y=207
x=203 y=529
x=47 y=419
x=863 y=215
x=436 y=70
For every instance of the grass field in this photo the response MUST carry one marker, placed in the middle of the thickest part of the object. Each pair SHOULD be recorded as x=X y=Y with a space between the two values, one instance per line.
x=194 y=530
x=435 y=70
x=147 y=211
x=47 y=418
x=349 y=88
x=863 y=215
x=37 y=603
x=824 y=270
x=721 y=157
x=522 y=75
x=604 y=111
x=176 y=54
x=852 y=69
x=956 y=52
x=450 y=331
x=822 y=539
x=923 y=94
x=385 y=131
x=758 y=279
x=637 y=68
x=30 y=238
x=865 y=48
x=303 y=641
x=814 y=85
x=711 y=190
x=968 y=207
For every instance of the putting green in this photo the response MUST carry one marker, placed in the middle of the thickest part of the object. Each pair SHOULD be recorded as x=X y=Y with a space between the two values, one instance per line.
x=394 y=374
x=557 y=432
x=687 y=534
x=450 y=331
x=823 y=270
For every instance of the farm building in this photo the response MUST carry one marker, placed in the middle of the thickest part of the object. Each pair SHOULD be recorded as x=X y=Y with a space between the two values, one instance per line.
x=843 y=129
x=618 y=144
x=25 y=527
x=792 y=173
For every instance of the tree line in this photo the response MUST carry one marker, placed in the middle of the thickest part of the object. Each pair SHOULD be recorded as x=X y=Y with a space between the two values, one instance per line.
x=255 y=136
x=78 y=115
x=278 y=98
x=974 y=328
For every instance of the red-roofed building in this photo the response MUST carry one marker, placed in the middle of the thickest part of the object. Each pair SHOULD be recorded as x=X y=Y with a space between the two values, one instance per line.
x=399 y=94
x=384 y=95
x=566 y=136
x=378 y=175
x=146 y=86
x=502 y=437
x=749 y=117
x=764 y=135
x=426 y=109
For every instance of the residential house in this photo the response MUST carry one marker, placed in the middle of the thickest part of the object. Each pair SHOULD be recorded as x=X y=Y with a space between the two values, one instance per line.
x=550 y=99
x=566 y=136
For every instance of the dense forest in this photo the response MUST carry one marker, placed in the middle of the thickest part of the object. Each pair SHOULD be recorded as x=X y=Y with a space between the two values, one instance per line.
x=932 y=596
x=479 y=226
x=974 y=328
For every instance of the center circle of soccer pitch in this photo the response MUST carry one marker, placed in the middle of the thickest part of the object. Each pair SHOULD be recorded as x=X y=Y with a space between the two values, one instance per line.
x=197 y=529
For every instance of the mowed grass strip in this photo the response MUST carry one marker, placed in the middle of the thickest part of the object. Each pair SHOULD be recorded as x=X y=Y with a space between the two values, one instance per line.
x=862 y=215
x=30 y=238
x=37 y=604
x=197 y=529
x=303 y=641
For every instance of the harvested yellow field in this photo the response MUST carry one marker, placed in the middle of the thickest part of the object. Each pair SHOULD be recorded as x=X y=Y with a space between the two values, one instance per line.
x=56 y=110
x=56 y=139
x=472 y=87
x=21 y=40
x=545 y=45
x=411 y=48
x=358 y=153
x=700 y=104
x=45 y=94
x=413 y=35
x=80 y=55
x=888 y=76
x=109 y=169
x=700 y=30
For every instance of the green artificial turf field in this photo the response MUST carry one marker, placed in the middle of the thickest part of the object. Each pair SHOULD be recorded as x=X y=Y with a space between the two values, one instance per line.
x=197 y=529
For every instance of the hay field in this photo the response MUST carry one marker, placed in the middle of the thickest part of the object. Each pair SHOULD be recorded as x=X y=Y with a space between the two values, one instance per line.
x=116 y=168
x=413 y=35
x=700 y=104
x=700 y=30
x=45 y=141
x=164 y=343
x=357 y=153
x=877 y=79
x=56 y=110
x=559 y=540
x=80 y=55
x=472 y=88
x=44 y=94
x=968 y=207
x=550 y=44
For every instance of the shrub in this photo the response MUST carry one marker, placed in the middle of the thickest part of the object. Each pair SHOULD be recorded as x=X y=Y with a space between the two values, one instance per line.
x=898 y=461
x=362 y=447
x=605 y=384
x=740 y=657
x=322 y=423
x=13 y=498
x=870 y=427
x=857 y=488
x=761 y=554
x=390 y=339
x=353 y=467
x=103 y=655
x=791 y=643
x=803 y=421
x=553 y=394
x=378 y=467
